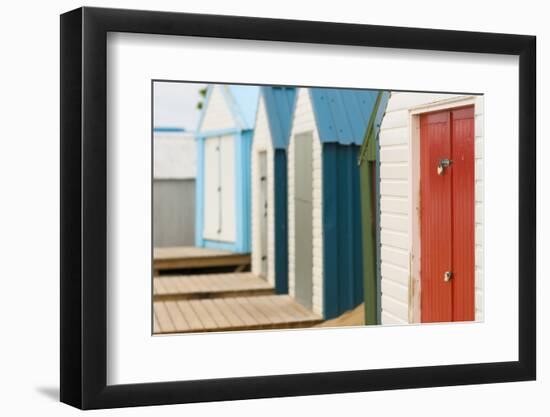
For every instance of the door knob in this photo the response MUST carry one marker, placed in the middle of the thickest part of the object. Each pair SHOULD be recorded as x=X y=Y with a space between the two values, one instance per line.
x=447 y=276
x=443 y=163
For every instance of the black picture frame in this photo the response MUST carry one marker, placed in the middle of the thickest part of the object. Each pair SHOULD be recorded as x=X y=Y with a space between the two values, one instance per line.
x=84 y=207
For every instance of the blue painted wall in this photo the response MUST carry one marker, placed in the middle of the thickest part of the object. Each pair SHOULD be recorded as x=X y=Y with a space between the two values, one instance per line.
x=280 y=103
x=342 y=250
x=281 y=221
x=243 y=147
x=242 y=101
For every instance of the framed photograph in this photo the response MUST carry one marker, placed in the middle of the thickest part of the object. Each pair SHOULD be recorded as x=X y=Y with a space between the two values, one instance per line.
x=260 y=208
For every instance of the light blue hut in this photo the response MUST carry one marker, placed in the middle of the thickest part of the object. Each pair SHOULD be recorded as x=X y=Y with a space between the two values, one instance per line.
x=324 y=208
x=224 y=140
x=269 y=186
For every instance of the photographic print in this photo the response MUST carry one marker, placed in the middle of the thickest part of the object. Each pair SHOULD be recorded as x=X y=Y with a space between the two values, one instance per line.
x=283 y=207
x=320 y=203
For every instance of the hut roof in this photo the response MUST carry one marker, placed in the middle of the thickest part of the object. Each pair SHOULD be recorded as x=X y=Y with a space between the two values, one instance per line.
x=279 y=103
x=242 y=101
x=342 y=115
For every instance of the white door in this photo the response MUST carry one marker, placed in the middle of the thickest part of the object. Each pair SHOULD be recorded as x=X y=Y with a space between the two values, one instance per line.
x=219 y=189
x=303 y=218
x=262 y=210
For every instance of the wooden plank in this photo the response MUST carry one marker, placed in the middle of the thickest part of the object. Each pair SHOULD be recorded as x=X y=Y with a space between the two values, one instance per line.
x=156 y=325
x=216 y=314
x=210 y=286
x=355 y=317
x=262 y=304
x=191 y=284
x=187 y=252
x=164 y=320
x=191 y=317
x=158 y=286
x=202 y=312
x=284 y=308
x=238 y=313
x=287 y=308
x=224 y=282
x=253 y=310
x=207 y=282
x=180 y=324
x=193 y=257
x=170 y=285
x=234 y=319
x=241 y=312
x=182 y=284
x=208 y=262
x=227 y=281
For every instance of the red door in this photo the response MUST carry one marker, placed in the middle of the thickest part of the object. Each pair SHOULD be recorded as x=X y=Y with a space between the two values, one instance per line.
x=447 y=215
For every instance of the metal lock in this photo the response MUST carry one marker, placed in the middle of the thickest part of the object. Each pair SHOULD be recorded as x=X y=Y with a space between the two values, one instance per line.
x=447 y=276
x=443 y=163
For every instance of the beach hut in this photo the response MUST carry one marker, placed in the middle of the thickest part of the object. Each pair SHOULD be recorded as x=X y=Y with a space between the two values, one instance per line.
x=324 y=211
x=431 y=208
x=269 y=185
x=174 y=172
x=368 y=157
x=224 y=141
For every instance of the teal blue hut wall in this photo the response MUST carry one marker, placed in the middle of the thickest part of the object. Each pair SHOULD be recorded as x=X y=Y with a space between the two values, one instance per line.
x=281 y=221
x=342 y=248
x=280 y=103
x=342 y=117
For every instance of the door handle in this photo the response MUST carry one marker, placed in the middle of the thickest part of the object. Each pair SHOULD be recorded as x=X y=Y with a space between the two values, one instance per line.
x=447 y=276
x=443 y=163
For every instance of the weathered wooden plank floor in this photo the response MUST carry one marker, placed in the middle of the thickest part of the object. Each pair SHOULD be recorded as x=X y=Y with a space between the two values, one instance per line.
x=187 y=257
x=232 y=284
x=238 y=313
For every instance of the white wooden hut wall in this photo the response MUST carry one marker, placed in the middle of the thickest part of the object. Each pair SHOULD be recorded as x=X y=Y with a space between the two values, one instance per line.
x=219 y=162
x=262 y=142
x=304 y=122
x=396 y=208
x=219 y=188
x=218 y=116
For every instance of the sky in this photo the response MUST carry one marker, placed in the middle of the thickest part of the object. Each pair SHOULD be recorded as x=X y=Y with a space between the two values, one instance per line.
x=174 y=104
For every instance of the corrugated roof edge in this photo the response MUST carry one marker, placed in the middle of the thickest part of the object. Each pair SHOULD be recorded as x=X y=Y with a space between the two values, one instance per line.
x=280 y=103
x=342 y=115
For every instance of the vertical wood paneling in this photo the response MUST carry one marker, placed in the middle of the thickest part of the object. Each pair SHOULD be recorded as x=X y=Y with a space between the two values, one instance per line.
x=212 y=196
x=262 y=143
x=447 y=216
x=303 y=214
x=228 y=196
x=219 y=115
x=304 y=121
x=343 y=258
x=436 y=226
x=279 y=201
x=463 y=214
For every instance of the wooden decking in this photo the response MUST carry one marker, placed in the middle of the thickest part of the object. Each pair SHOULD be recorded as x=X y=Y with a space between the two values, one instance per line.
x=236 y=313
x=214 y=302
x=185 y=287
x=190 y=257
x=355 y=317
